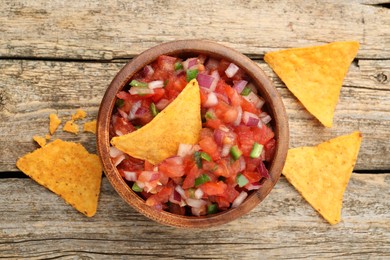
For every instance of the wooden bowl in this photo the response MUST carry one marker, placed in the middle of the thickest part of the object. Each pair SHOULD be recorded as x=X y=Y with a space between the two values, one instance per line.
x=185 y=48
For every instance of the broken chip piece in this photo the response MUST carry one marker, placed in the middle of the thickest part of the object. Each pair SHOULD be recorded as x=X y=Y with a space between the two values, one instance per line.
x=179 y=122
x=67 y=169
x=321 y=173
x=90 y=126
x=40 y=140
x=315 y=75
x=71 y=127
x=80 y=114
x=54 y=123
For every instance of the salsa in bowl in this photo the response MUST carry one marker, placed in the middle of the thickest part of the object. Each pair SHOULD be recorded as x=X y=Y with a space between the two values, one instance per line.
x=240 y=143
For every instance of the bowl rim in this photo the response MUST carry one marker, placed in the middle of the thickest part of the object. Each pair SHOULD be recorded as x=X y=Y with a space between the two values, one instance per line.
x=266 y=89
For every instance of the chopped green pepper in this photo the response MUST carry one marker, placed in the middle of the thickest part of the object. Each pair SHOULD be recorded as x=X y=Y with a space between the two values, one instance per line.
x=205 y=156
x=212 y=208
x=178 y=66
x=198 y=160
x=191 y=193
x=209 y=115
x=136 y=83
x=136 y=188
x=119 y=102
x=191 y=74
x=202 y=179
x=241 y=180
x=235 y=152
x=245 y=91
x=257 y=149
x=153 y=109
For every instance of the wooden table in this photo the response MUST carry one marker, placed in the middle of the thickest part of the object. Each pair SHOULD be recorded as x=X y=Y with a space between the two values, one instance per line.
x=57 y=56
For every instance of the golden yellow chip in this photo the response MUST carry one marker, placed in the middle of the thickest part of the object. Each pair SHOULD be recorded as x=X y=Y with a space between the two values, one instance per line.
x=321 y=173
x=68 y=170
x=80 y=114
x=54 y=123
x=179 y=122
x=71 y=127
x=40 y=140
x=47 y=137
x=315 y=75
x=90 y=126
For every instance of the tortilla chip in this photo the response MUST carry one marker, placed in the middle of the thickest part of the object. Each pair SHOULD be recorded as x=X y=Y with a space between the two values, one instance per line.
x=47 y=137
x=54 y=123
x=71 y=127
x=321 y=173
x=315 y=75
x=68 y=170
x=179 y=122
x=90 y=126
x=40 y=140
x=80 y=114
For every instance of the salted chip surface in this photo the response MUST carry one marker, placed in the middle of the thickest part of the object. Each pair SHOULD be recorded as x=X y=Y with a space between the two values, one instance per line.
x=80 y=114
x=90 y=126
x=54 y=123
x=315 y=75
x=71 y=127
x=67 y=169
x=179 y=122
x=321 y=173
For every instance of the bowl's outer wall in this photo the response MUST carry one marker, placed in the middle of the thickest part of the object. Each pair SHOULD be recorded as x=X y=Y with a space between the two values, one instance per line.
x=182 y=48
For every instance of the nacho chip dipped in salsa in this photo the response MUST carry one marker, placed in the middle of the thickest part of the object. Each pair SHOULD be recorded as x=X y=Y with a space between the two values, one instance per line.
x=232 y=145
x=321 y=173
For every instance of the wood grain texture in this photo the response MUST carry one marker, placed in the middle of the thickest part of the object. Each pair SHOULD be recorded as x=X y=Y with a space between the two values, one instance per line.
x=105 y=30
x=37 y=224
x=31 y=90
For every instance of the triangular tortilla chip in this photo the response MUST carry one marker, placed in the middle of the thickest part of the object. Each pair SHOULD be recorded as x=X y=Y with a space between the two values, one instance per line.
x=179 y=122
x=315 y=75
x=67 y=169
x=321 y=173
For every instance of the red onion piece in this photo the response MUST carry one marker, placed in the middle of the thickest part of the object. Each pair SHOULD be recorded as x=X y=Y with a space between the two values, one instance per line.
x=198 y=193
x=242 y=163
x=190 y=63
x=240 y=85
x=226 y=150
x=219 y=135
x=122 y=113
x=115 y=152
x=250 y=119
x=130 y=176
x=148 y=70
x=205 y=81
x=162 y=104
x=117 y=160
x=211 y=101
x=199 y=211
x=266 y=119
x=240 y=199
x=181 y=191
x=239 y=116
x=156 y=84
x=140 y=91
x=212 y=64
x=195 y=203
x=184 y=149
x=231 y=70
x=253 y=186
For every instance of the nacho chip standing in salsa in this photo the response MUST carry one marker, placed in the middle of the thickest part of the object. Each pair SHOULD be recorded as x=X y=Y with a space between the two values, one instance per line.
x=235 y=142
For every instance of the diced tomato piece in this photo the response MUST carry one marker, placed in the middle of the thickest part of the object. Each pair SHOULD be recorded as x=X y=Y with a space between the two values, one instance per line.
x=166 y=63
x=172 y=167
x=157 y=199
x=192 y=174
x=213 y=188
x=245 y=139
x=252 y=163
x=223 y=65
x=222 y=202
x=248 y=106
x=131 y=164
x=233 y=96
x=213 y=123
x=122 y=125
x=252 y=176
x=148 y=166
x=230 y=193
x=158 y=94
x=262 y=135
x=223 y=169
x=176 y=209
x=208 y=145
x=225 y=112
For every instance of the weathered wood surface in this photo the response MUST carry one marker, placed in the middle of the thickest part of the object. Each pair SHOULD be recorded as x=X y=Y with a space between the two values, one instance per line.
x=37 y=224
x=31 y=90
x=105 y=30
